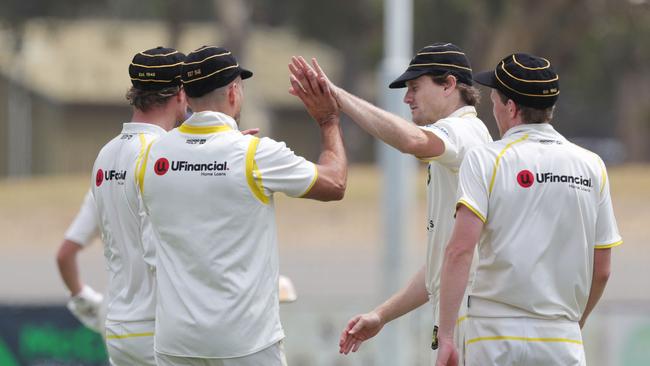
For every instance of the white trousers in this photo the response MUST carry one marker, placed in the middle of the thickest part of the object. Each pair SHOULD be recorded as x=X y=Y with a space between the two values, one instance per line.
x=130 y=343
x=270 y=356
x=523 y=341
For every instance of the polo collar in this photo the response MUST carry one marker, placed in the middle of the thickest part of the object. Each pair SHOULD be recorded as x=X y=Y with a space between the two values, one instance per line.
x=465 y=111
x=142 y=127
x=208 y=122
x=531 y=128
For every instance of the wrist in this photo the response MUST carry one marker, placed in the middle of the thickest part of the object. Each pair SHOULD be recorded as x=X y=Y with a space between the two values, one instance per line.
x=331 y=119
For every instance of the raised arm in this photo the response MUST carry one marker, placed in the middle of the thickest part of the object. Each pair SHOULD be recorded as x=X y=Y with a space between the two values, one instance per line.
x=332 y=164
x=388 y=127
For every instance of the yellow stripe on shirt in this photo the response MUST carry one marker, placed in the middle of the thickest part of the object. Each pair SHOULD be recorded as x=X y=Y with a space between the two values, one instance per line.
x=496 y=163
x=253 y=175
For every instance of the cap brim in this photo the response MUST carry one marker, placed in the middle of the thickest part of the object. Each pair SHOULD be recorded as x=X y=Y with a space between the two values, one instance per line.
x=486 y=78
x=400 y=82
x=245 y=74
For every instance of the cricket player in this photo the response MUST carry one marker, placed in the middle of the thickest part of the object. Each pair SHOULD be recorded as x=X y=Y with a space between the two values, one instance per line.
x=85 y=303
x=541 y=207
x=445 y=126
x=209 y=192
x=159 y=103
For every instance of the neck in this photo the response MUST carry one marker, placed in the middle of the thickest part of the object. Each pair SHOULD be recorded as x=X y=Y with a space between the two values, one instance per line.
x=155 y=116
x=213 y=107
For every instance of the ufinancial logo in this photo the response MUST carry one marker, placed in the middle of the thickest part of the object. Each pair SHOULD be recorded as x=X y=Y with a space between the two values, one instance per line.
x=526 y=178
x=109 y=175
x=163 y=165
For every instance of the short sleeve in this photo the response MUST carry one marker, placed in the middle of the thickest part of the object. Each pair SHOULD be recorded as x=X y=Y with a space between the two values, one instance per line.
x=607 y=235
x=473 y=185
x=84 y=227
x=278 y=169
x=446 y=132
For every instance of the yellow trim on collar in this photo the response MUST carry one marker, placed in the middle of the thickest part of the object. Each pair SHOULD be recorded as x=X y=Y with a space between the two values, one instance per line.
x=202 y=130
x=524 y=339
x=253 y=175
x=496 y=164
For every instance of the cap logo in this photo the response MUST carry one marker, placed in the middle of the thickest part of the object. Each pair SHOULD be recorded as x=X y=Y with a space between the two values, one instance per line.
x=207 y=76
x=193 y=72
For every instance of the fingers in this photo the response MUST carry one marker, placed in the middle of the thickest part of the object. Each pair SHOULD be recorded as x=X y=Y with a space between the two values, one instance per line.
x=251 y=131
x=296 y=87
x=318 y=69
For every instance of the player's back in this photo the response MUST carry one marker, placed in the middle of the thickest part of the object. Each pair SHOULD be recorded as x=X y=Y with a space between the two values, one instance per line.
x=131 y=287
x=537 y=246
x=217 y=258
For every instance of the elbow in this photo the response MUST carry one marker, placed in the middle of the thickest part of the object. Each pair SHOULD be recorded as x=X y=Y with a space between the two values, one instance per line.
x=455 y=253
x=61 y=257
x=410 y=146
x=338 y=191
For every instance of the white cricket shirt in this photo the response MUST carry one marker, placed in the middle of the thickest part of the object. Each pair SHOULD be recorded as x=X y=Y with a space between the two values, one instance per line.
x=546 y=206
x=131 y=281
x=84 y=226
x=209 y=192
x=460 y=132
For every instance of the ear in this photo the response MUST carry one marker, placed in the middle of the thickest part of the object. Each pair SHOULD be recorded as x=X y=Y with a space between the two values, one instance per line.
x=512 y=109
x=181 y=96
x=450 y=84
x=232 y=93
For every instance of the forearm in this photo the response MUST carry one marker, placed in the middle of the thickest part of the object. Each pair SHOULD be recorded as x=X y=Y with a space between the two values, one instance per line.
x=67 y=262
x=407 y=299
x=453 y=281
x=598 y=282
x=390 y=128
x=332 y=157
x=596 y=292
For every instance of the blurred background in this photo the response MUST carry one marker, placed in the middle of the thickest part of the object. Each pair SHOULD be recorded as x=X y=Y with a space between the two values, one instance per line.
x=63 y=78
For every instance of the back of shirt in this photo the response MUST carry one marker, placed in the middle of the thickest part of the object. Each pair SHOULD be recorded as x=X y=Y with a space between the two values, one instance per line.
x=131 y=282
x=208 y=190
x=546 y=207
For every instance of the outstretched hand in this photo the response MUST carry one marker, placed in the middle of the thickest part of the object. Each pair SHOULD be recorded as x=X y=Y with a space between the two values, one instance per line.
x=313 y=89
x=359 y=329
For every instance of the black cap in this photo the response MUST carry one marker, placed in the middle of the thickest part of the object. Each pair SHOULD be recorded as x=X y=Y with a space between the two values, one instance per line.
x=526 y=79
x=156 y=69
x=209 y=68
x=437 y=59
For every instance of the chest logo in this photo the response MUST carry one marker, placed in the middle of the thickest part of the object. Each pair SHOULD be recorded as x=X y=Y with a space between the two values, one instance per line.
x=161 y=167
x=525 y=178
x=99 y=178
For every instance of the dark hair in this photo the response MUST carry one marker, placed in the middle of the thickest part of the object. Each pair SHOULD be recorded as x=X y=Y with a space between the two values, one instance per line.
x=145 y=100
x=469 y=94
x=530 y=114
